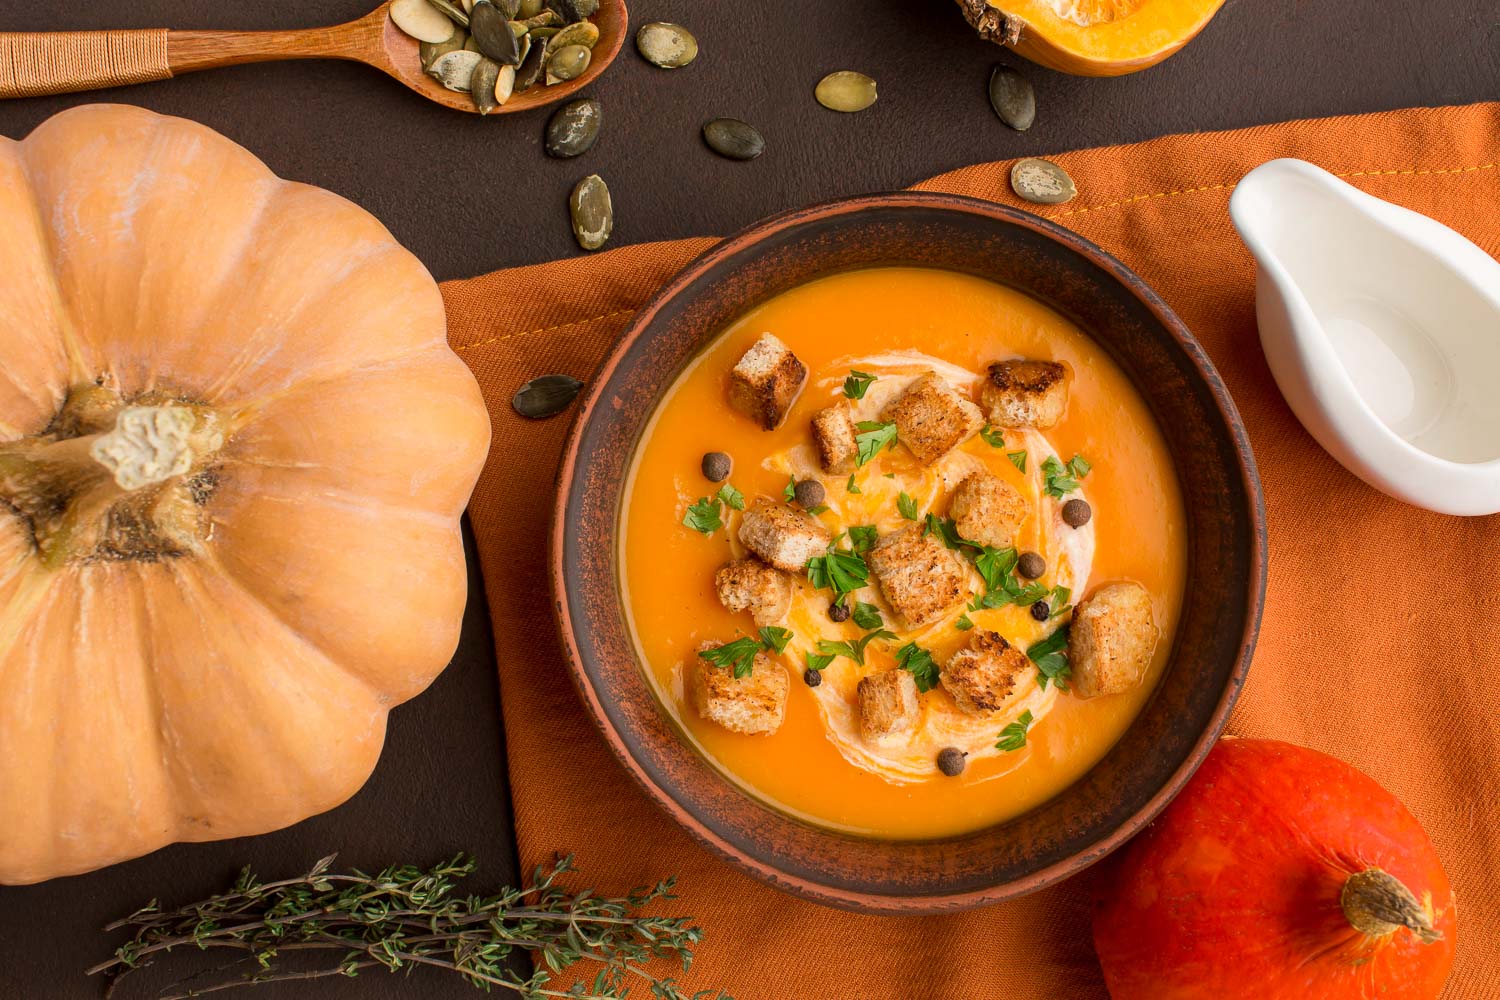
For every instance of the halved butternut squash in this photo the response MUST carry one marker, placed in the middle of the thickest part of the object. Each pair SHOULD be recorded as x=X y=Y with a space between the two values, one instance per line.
x=1091 y=37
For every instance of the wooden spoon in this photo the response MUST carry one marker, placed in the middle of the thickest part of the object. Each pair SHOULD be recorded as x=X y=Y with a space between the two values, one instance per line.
x=62 y=62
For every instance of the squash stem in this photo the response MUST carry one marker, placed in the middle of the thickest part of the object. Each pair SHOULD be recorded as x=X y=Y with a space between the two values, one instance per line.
x=1377 y=904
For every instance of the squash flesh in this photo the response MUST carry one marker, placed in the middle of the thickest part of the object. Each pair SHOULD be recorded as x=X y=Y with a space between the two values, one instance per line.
x=1103 y=37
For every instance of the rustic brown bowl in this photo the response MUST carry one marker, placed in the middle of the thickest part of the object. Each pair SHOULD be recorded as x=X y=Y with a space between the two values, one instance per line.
x=1226 y=569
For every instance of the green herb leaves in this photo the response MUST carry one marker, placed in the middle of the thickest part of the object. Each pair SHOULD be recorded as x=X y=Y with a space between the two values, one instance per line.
x=993 y=436
x=817 y=661
x=867 y=615
x=1018 y=459
x=946 y=531
x=1013 y=736
x=964 y=622
x=857 y=384
x=703 y=515
x=731 y=496
x=873 y=436
x=862 y=537
x=739 y=655
x=851 y=486
x=853 y=650
x=789 y=492
x=918 y=662
x=840 y=572
x=907 y=506
x=1051 y=658
x=1059 y=480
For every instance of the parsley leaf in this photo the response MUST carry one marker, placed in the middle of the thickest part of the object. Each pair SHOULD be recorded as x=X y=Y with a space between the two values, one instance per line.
x=867 y=615
x=852 y=486
x=774 y=638
x=907 y=506
x=1059 y=601
x=1051 y=658
x=1079 y=466
x=1060 y=480
x=790 y=493
x=732 y=497
x=1018 y=459
x=703 y=515
x=821 y=508
x=862 y=537
x=873 y=436
x=816 y=662
x=993 y=436
x=995 y=565
x=853 y=650
x=1013 y=736
x=964 y=622
x=890 y=475
x=918 y=662
x=946 y=531
x=738 y=655
x=857 y=384
x=841 y=572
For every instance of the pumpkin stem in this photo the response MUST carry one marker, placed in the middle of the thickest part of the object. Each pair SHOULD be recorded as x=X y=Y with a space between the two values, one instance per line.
x=1376 y=903
x=992 y=24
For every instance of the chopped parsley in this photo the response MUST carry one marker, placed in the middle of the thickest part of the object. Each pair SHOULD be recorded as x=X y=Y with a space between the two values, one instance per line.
x=790 y=493
x=918 y=662
x=774 y=639
x=946 y=531
x=907 y=506
x=739 y=655
x=853 y=650
x=1059 y=479
x=867 y=615
x=997 y=567
x=703 y=515
x=857 y=384
x=732 y=497
x=890 y=475
x=1018 y=459
x=993 y=436
x=1051 y=658
x=1058 y=601
x=1013 y=736
x=964 y=622
x=873 y=436
x=862 y=537
x=816 y=661
x=851 y=486
x=821 y=508
x=841 y=572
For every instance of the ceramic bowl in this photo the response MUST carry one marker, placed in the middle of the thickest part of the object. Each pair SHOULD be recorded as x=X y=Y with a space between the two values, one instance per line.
x=1225 y=534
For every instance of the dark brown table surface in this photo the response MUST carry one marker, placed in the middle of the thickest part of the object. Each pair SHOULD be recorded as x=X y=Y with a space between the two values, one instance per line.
x=469 y=195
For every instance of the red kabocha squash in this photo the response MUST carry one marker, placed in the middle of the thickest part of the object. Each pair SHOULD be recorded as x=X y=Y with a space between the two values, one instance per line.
x=1279 y=873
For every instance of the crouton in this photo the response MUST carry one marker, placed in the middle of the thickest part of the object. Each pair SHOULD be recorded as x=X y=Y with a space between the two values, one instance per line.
x=755 y=703
x=988 y=510
x=983 y=674
x=1112 y=639
x=919 y=577
x=932 y=418
x=887 y=704
x=750 y=585
x=782 y=535
x=1025 y=393
x=766 y=382
x=833 y=432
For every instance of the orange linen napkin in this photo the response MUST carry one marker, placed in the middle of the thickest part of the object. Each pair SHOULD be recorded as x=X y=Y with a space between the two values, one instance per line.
x=1380 y=638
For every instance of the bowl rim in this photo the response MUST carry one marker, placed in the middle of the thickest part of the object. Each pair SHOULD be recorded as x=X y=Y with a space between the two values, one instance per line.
x=1249 y=482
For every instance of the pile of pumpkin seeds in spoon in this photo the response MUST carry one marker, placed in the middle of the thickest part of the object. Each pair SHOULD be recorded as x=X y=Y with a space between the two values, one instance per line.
x=493 y=49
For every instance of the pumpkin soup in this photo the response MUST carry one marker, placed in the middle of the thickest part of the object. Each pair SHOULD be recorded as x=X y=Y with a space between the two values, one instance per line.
x=902 y=552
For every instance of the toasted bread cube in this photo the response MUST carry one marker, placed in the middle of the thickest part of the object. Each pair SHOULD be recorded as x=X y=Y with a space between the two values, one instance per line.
x=919 y=577
x=1025 y=393
x=983 y=674
x=750 y=585
x=932 y=418
x=887 y=704
x=988 y=510
x=833 y=433
x=766 y=382
x=1112 y=639
x=782 y=535
x=755 y=703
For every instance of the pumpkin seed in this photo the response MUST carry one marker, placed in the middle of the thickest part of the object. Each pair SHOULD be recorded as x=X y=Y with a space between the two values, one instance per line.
x=1042 y=182
x=455 y=69
x=453 y=13
x=566 y=63
x=583 y=33
x=546 y=396
x=543 y=34
x=531 y=66
x=491 y=31
x=845 y=90
x=573 y=128
x=667 y=45
x=524 y=43
x=592 y=211
x=574 y=10
x=482 y=85
x=529 y=8
x=505 y=84
x=1012 y=98
x=431 y=50
x=733 y=138
x=546 y=19
x=422 y=21
x=510 y=8
x=472 y=45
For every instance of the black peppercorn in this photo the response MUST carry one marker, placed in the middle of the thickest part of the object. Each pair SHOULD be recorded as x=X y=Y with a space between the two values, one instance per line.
x=838 y=611
x=1041 y=611
x=812 y=678
x=809 y=493
x=1077 y=513
x=950 y=760
x=717 y=466
x=1031 y=565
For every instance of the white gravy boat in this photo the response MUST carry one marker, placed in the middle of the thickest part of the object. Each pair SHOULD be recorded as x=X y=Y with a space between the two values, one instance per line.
x=1382 y=328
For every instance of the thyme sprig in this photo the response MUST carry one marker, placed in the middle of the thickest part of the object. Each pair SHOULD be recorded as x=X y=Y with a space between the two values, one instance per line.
x=323 y=924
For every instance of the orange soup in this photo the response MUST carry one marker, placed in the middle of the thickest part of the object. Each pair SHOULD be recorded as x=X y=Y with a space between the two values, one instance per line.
x=915 y=676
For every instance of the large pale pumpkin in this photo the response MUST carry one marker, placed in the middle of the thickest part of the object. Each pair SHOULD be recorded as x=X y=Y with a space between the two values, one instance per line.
x=234 y=448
